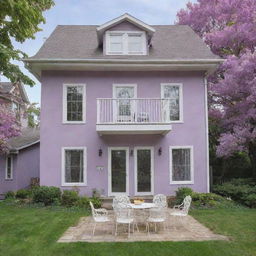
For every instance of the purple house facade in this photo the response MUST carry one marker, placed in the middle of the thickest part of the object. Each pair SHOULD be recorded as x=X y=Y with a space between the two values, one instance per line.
x=124 y=108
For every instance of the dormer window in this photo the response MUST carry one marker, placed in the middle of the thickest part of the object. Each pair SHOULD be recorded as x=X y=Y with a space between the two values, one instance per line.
x=126 y=43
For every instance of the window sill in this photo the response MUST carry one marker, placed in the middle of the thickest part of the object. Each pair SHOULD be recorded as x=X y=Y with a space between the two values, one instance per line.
x=74 y=122
x=11 y=179
x=181 y=182
x=73 y=184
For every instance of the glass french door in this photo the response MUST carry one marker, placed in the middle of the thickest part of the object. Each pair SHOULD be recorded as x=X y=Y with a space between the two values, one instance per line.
x=144 y=171
x=124 y=106
x=118 y=171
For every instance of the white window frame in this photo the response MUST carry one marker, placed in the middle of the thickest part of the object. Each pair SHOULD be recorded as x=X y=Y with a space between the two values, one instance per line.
x=64 y=100
x=125 y=35
x=184 y=182
x=180 y=85
x=72 y=184
x=6 y=167
x=136 y=170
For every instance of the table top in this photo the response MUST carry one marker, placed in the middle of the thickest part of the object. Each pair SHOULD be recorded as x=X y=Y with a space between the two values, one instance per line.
x=143 y=206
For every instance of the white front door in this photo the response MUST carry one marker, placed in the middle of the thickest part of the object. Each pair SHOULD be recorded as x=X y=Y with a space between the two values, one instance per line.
x=118 y=168
x=123 y=104
x=144 y=170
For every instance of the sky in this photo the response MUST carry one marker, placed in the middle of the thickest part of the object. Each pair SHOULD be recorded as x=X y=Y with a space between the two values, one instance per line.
x=95 y=12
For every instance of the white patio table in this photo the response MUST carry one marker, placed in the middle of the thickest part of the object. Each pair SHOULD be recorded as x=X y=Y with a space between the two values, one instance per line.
x=143 y=206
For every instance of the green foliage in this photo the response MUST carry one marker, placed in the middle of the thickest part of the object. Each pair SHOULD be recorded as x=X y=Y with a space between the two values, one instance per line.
x=9 y=194
x=83 y=202
x=181 y=193
x=240 y=190
x=96 y=202
x=33 y=113
x=18 y=20
x=69 y=198
x=47 y=195
x=22 y=194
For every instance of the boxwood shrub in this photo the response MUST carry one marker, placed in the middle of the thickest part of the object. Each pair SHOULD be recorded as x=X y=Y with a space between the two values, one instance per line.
x=47 y=195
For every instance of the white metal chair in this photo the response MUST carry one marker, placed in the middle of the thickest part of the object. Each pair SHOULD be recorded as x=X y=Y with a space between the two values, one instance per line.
x=160 y=200
x=182 y=209
x=124 y=215
x=99 y=216
x=121 y=199
x=156 y=216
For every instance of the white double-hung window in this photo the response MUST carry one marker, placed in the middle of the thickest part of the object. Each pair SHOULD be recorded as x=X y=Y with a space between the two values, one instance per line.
x=74 y=97
x=74 y=166
x=125 y=43
x=181 y=165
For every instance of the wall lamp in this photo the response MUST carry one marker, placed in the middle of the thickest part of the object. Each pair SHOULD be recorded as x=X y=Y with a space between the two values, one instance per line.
x=160 y=151
x=100 y=152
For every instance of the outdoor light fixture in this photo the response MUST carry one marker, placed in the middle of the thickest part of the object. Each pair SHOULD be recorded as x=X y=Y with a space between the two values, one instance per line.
x=160 y=151
x=131 y=152
x=100 y=152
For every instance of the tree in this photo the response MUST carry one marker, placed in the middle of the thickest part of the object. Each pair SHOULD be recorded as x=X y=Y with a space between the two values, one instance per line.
x=33 y=113
x=229 y=28
x=19 y=19
x=8 y=127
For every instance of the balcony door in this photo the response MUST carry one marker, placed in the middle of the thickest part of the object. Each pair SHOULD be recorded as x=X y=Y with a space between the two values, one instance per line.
x=123 y=103
x=144 y=170
x=118 y=170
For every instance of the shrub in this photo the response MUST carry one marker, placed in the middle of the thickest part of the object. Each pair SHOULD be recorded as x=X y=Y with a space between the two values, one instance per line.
x=47 y=195
x=83 y=202
x=22 y=194
x=250 y=200
x=96 y=202
x=181 y=193
x=69 y=198
x=9 y=194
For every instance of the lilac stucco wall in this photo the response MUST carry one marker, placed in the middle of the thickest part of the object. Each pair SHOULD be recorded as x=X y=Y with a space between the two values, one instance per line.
x=25 y=167
x=55 y=134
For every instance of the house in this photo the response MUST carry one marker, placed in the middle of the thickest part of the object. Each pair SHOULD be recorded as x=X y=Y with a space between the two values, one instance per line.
x=21 y=164
x=124 y=108
x=15 y=97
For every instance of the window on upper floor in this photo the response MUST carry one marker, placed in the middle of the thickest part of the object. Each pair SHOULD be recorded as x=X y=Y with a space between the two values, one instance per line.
x=125 y=43
x=174 y=101
x=9 y=168
x=16 y=110
x=181 y=165
x=74 y=103
x=73 y=166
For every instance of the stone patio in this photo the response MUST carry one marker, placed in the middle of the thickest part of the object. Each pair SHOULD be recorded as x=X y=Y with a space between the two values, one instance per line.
x=185 y=229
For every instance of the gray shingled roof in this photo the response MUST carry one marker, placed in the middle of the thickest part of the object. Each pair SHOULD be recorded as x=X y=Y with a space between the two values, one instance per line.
x=29 y=136
x=169 y=42
x=5 y=87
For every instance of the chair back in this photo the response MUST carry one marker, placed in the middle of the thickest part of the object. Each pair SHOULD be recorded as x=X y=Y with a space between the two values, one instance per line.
x=121 y=199
x=93 y=209
x=186 y=204
x=123 y=212
x=157 y=213
x=160 y=200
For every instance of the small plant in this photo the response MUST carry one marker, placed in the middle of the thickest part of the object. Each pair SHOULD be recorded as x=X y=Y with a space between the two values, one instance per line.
x=22 y=194
x=69 y=198
x=181 y=193
x=95 y=193
x=96 y=202
x=46 y=195
x=83 y=202
x=9 y=195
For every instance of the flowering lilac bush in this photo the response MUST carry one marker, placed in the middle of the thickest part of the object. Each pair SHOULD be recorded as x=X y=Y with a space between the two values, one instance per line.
x=229 y=28
x=8 y=127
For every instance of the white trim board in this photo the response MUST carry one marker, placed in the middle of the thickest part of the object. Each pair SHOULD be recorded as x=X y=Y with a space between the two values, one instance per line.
x=66 y=184
x=64 y=103
x=110 y=193
x=136 y=171
x=191 y=166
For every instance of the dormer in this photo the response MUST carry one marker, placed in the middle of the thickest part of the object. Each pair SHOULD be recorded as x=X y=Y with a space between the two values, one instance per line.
x=125 y=35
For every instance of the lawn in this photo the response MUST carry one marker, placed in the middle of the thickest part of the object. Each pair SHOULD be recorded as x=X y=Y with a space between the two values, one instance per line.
x=34 y=231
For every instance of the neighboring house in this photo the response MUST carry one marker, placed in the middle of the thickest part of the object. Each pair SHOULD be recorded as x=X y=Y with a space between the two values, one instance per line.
x=15 y=97
x=124 y=108
x=22 y=163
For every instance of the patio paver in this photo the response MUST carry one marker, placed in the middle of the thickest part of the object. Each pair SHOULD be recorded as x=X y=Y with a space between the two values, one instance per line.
x=187 y=229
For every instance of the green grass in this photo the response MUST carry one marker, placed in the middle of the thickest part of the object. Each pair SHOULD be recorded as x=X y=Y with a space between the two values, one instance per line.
x=34 y=231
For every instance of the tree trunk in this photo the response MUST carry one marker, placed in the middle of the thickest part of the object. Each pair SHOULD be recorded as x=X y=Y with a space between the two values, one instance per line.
x=252 y=156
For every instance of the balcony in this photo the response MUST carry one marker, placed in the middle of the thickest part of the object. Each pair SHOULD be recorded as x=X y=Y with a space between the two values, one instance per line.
x=133 y=116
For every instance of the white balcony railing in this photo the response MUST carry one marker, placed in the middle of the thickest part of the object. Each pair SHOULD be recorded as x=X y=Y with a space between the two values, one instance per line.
x=133 y=111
